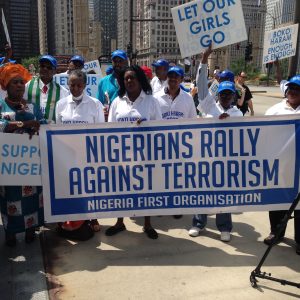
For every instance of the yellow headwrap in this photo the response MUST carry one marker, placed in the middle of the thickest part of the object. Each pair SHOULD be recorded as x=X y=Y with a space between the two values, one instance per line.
x=10 y=71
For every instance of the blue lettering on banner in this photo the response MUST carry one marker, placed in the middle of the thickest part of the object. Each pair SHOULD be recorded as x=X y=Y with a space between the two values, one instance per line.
x=19 y=151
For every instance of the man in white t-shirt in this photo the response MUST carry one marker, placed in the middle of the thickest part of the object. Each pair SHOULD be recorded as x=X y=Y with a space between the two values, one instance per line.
x=43 y=91
x=174 y=102
x=159 y=82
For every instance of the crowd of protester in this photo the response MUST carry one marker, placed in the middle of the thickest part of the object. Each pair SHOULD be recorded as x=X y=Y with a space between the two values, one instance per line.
x=125 y=94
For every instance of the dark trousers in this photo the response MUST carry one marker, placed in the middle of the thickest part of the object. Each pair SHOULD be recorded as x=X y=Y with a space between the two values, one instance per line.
x=277 y=216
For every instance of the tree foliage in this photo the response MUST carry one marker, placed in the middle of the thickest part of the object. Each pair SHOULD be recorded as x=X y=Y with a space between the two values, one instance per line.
x=239 y=65
x=31 y=60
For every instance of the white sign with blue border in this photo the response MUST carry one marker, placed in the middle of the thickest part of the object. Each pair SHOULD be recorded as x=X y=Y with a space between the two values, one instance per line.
x=199 y=23
x=159 y=168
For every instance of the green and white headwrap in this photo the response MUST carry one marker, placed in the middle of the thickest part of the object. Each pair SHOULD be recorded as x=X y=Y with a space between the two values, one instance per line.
x=34 y=94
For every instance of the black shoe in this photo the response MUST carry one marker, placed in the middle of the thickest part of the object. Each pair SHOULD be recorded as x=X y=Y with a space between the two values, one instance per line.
x=271 y=238
x=114 y=230
x=151 y=233
x=298 y=249
x=177 y=216
x=29 y=235
x=10 y=239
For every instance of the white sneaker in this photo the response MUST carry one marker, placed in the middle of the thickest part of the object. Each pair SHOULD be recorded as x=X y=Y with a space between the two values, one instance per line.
x=225 y=236
x=194 y=231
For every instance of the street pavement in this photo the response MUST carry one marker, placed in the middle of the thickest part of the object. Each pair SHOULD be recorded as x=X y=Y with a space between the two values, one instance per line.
x=175 y=266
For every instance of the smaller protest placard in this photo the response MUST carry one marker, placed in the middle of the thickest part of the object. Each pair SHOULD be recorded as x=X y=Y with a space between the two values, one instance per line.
x=91 y=85
x=199 y=23
x=280 y=43
x=92 y=66
x=20 y=162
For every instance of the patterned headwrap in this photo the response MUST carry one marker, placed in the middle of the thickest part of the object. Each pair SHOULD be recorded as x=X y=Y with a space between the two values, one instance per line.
x=10 y=71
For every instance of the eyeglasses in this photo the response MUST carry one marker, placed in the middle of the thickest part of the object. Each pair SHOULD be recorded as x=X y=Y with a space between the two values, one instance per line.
x=245 y=77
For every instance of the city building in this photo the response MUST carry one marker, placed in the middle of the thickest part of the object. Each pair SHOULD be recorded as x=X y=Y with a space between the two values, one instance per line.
x=156 y=38
x=42 y=18
x=126 y=11
x=22 y=22
x=63 y=27
x=105 y=12
x=81 y=27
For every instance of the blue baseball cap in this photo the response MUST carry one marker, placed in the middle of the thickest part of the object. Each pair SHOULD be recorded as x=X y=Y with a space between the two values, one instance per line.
x=119 y=53
x=226 y=74
x=50 y=59
x=176 y=70
x=226 y=86
x=78 y=58
x=294 y=81
x=161 y=63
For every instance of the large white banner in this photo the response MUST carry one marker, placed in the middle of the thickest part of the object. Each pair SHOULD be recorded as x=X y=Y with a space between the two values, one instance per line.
x=91 y=86
x=175 y=167
x=198 y=23
x=280 y=43
x=20 y=162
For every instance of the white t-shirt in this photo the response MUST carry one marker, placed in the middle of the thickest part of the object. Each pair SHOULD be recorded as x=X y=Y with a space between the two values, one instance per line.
x=88 y=111
x=44 y=96
x=181 y=107
x=214 y=109
x=282 y=108
x=158 y=85
x=145 y=108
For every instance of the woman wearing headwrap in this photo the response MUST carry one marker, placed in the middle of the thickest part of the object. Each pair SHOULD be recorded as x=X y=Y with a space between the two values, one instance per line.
x=21 y=206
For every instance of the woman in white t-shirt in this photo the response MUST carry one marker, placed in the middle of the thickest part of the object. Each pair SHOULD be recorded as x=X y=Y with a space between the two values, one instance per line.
x=79 y=108
x=135 y=103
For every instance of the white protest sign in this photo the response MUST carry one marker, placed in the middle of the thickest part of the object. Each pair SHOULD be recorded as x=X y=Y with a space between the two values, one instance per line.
x=5 y=29
x=20 y=162
x=92 y=66
x=175 y=167
x=198 y=23
x=280 y=43
x=91 y=86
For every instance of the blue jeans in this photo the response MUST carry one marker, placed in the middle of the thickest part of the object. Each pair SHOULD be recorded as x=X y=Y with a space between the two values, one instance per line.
x=223 y=222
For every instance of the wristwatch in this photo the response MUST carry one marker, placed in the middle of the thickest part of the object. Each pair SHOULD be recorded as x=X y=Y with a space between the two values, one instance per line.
x=20 y=124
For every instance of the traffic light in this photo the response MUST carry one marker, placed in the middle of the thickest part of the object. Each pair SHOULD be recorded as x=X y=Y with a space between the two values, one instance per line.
x=248 y=52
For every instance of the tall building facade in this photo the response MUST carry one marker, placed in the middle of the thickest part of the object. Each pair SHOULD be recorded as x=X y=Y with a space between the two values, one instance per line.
x=81 y=27
x=156 y=39
x=22 y=21
x=63 y=27
x=42 y=18
x=106 y=13
x=126 y=11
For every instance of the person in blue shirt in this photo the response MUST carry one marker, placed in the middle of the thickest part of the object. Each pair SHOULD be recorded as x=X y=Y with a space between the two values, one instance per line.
x=108 y=86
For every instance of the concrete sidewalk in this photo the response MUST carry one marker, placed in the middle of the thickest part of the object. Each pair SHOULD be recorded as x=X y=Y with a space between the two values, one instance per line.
x=176 y=266
x=22 y=273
